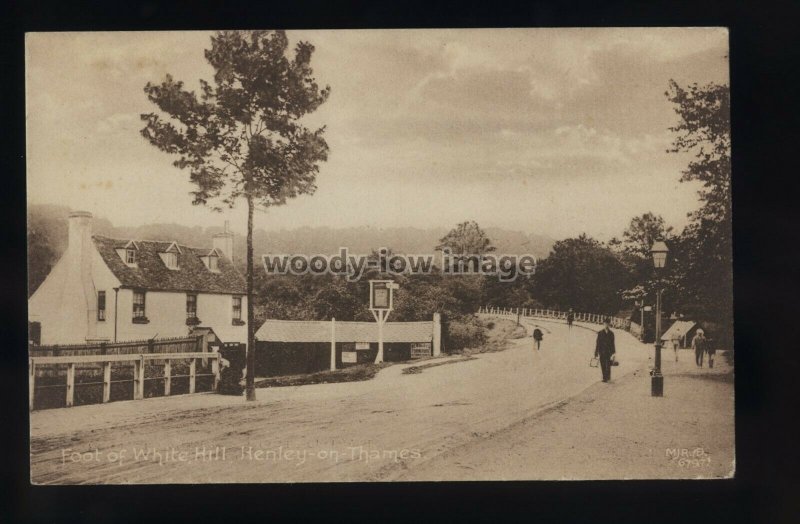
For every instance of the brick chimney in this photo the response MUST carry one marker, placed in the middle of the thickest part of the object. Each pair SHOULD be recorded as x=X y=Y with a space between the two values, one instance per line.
x=224 y=242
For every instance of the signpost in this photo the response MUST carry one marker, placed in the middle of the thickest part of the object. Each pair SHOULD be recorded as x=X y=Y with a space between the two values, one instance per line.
x=381 y=302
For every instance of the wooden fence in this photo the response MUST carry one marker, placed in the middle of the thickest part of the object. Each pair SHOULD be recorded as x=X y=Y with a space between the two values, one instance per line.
x=594 y=318
x=133 y=347
x=136 y=360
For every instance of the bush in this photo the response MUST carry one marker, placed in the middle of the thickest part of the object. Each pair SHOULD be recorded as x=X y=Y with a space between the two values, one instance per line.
x=230 y=381
x=230 y=376
x=464 y=332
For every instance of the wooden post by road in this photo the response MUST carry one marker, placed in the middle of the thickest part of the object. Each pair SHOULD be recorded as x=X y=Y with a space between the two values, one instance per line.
x=437 y=334
x=167 y=377
x=333 y=344
x=70 y=384
x=106 y=381
x=138 y=379
x=31 y=382
x=192 y=374
x=215 y=370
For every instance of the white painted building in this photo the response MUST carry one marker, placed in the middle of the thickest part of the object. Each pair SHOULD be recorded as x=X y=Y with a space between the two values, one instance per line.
x=105 y=289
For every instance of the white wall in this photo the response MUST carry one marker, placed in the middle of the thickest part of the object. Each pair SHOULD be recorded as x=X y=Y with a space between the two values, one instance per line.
x=166 y=312
x=63 y=321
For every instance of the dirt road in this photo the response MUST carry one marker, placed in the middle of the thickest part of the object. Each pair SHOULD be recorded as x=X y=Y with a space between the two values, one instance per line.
x=385 y=428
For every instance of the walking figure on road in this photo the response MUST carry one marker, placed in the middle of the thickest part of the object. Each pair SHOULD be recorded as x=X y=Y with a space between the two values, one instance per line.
x=699 y=343
x=570 y=318
x=537 y=338
x=605 y=349
x=676 y=342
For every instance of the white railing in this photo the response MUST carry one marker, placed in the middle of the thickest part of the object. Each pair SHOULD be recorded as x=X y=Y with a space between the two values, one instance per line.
x=137 y=360
x=592 y=318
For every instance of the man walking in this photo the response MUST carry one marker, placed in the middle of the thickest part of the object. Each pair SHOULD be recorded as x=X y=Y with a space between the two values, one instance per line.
x=699 y=346
x=605 y=349
x=570 y=318
x=537 y=338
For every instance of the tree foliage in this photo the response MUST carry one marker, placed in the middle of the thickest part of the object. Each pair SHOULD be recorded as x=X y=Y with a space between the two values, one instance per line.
x=583 y=274
x=241 y=136
x=467 y=238
x=642 y=232
x=704 y=131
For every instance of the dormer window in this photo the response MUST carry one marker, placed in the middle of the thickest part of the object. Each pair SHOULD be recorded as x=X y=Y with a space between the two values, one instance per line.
x=128 y=253
x=211 y=260
x=170 y=256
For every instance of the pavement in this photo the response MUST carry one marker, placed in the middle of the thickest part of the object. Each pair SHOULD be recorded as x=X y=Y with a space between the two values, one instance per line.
x=517 y=413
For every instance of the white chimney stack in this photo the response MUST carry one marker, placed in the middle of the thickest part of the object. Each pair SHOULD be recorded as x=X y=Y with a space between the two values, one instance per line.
x=224 y=242
x=79 y=284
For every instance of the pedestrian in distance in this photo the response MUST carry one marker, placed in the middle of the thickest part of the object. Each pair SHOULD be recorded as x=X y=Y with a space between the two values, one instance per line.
x=676 y=342
x=605 y=349
x=570 y=318
x=537 y=338
x=711 y=352
x=699 y=344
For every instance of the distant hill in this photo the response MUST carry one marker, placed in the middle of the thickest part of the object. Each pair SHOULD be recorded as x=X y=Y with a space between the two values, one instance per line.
x=50 y=224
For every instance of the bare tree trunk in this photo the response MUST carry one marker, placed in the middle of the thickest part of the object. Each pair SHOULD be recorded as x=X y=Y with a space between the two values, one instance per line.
x=250 y=385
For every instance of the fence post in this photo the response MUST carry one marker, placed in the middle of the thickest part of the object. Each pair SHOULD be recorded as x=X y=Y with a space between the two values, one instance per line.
x=106 y=381
x=70 y=384
x=138 y=378
x=215 y=370
x=437 y=334
x=167 y=377
x=192 y=374
x=333 y=343
x=31 y=382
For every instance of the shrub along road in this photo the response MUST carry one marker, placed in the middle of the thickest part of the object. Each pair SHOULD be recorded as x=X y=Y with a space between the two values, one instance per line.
x=397 y=425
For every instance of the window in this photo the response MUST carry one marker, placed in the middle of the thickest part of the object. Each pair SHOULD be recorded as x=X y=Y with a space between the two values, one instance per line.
x=130 y=256
x=191 y=305
x=138 y=305
x=101 y=305
x=171 y=259
x=213 y=263
x=237 y=308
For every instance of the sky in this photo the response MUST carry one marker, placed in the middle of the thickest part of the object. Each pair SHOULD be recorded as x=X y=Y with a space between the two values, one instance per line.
x=549 y=131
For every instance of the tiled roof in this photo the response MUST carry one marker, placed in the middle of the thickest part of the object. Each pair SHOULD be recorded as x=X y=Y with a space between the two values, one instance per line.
x=152 y=274
x=320 y=331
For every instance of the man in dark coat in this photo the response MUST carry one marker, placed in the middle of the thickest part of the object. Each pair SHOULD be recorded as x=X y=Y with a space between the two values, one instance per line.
x=605 y=349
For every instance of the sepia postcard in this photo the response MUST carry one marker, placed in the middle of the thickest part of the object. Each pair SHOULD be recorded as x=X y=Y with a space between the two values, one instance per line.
x=266 y=256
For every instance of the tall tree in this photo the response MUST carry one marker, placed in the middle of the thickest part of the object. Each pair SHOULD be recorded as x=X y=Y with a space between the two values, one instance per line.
x=242 y=137
x=705 y=250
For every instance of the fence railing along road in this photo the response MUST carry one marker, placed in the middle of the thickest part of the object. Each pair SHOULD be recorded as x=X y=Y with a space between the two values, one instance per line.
x=594 y=318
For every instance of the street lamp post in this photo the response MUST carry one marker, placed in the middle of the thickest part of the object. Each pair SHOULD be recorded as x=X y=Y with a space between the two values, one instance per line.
x=659 y=252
